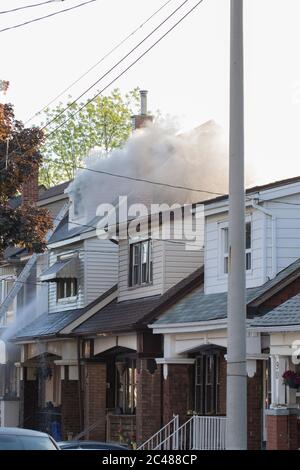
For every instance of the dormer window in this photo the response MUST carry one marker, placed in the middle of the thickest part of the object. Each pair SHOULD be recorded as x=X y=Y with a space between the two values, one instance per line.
x=225 y=248
x=66 y=288
x=140 y=265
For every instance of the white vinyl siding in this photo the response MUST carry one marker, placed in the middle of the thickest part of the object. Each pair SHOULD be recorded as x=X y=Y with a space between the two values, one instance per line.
x=179 y=262
x=101 y=267
x=79 y=301
x=215 y=278
x=155 y=287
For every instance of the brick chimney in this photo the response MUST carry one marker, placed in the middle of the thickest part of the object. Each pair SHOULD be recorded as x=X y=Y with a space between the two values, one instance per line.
x=30 y=189
x=142 y=119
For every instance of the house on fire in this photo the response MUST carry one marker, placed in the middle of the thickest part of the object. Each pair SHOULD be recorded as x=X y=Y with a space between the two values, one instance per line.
x=119 y=338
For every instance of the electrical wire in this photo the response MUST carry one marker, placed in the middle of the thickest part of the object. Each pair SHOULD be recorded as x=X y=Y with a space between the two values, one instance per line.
x=28 y=6
x=157 y=183
x=111 y=51
x=70 y=105
x=46 y=16
x=126 y=69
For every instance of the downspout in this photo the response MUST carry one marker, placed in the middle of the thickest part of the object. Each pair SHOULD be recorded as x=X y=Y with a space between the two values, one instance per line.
x=79 y=385
x=255 y=205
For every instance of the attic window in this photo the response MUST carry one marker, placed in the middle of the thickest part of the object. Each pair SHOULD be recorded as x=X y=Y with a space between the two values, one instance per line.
x=66 y=288
x=140 y=266
x=225 y=248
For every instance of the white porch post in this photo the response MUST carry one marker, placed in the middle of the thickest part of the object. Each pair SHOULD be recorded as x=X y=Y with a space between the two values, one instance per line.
x=278 y=389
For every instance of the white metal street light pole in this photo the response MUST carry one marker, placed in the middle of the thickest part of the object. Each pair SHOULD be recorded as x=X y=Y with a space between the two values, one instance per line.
x=236 y=435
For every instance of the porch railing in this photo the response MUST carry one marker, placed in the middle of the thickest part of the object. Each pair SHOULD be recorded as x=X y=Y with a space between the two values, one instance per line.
x=163 y=436
x=198 y=433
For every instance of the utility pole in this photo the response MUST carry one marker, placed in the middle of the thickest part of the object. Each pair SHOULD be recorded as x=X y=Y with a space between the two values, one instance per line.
x=236 y=351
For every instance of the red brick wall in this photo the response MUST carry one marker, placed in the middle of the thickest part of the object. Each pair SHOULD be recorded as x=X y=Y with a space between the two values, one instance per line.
x=223 y=380
x=255 y=408
x=178 y=392
x=282 y=432
x=69 y=408
x=141 y=121
x=95 y=400
x=285 y=294
x=148 y=410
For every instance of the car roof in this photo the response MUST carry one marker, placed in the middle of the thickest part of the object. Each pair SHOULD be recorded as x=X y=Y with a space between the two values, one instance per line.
x=72 y=443
x=21 y=432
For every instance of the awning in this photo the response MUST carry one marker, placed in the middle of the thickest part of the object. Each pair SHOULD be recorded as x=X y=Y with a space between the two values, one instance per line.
x=66 y=268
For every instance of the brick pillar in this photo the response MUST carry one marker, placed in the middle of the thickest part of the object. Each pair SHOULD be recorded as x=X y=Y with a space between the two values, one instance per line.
x=177 y=392
x=282 y=429
x=70 y=421
x=148 y=410
x=255 y=408
x=223 y=381
x=95 y=400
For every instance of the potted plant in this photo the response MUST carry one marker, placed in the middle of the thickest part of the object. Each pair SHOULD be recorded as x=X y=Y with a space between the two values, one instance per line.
x=291 y=379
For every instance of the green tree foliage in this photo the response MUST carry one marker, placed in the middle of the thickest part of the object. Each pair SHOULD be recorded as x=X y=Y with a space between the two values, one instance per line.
x=24 y=225
x=104 y=123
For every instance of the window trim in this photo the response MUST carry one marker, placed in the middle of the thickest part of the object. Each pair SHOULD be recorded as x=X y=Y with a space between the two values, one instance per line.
x=71 y=298
x=140 y=243
x=222 y=226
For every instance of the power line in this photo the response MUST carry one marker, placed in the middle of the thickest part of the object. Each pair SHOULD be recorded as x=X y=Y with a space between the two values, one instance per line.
x=120 y=74
x=46 y=16
x=112 y=68
x=157 y=183
x=28 y=6
x=111 y=51
x=127 y=68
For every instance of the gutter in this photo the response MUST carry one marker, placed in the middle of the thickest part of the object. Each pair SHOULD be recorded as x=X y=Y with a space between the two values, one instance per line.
x=255 y=205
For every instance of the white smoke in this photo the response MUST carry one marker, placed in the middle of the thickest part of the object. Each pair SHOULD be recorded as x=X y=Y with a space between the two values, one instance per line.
x=198 y=160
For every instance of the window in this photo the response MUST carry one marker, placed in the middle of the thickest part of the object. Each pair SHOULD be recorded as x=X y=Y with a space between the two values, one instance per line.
x=225 y=248
x=126 y=383
x=207 y=384
x=140 y=268
x=248 y=246
x=66 y=288
x=225 y=245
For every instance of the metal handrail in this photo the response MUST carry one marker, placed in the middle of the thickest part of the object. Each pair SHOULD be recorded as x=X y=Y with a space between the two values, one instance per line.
x=167 y=430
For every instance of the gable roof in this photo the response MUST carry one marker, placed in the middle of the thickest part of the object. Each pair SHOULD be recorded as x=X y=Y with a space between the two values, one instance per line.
x=199 y=307
x=50 y=325
x=286 y=314
x=257 y=189
x=136 y=314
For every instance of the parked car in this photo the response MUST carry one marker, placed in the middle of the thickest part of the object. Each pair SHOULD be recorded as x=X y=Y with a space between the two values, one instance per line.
x=89 y=445
x=25 y=439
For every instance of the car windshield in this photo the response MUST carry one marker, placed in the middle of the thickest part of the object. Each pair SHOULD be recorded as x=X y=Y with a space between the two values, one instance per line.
x=11 y=442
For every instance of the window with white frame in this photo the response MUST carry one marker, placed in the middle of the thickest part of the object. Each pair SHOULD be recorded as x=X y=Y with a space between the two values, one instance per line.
x=66 y=288
x=225 y=248
x=140 y=263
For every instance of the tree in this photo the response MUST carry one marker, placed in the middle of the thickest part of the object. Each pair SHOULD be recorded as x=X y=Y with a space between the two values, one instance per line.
x=104 y=123
x=26 y=225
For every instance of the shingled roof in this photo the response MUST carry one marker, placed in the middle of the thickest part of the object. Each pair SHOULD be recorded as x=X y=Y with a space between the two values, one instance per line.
x=136 y=314
x=286 y=314
x=50 y=325
x=200 y=307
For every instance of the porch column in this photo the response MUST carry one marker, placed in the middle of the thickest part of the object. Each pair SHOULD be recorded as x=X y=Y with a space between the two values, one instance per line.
x=282 y=429
x=95 y=400
x=149 y=399
x=279 y=365
x=177 y=388
x=70 y=419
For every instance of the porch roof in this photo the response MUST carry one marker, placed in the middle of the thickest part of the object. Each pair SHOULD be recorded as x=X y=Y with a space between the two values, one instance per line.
x=200 y=307
x=136 y=314
x=286 y=314
x=50 y=325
